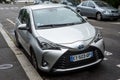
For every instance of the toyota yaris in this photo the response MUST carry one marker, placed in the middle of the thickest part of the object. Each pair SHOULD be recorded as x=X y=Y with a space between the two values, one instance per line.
x=57 y=38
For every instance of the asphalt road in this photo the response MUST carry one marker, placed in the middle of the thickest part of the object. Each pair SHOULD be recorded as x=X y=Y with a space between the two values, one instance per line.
x=109 y=68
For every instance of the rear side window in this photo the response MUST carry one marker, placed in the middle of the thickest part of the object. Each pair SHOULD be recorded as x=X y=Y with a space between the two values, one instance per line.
x=84 y=3
x=90 y=4
x=24 y=16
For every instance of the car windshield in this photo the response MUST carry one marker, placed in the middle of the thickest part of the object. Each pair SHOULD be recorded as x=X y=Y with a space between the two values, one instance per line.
x=54 y=17
x=102 y=4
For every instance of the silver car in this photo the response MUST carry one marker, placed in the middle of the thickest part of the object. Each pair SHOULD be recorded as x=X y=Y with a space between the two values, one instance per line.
x=97 y=9
x=58 y=39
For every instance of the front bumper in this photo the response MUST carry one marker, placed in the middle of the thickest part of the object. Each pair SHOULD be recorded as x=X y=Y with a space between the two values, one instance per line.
x=110 y=16
x=59 y=60
x=64 y=64
x=70 y=69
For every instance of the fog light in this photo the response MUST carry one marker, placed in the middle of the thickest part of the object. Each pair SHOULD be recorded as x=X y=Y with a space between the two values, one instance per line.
x=45 y=64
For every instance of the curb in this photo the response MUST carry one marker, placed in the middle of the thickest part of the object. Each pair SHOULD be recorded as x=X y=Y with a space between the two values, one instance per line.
x=31 y=73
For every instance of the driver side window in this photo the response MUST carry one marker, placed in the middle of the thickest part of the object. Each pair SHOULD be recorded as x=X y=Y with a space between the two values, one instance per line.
x=21 y=15
x=24 y=17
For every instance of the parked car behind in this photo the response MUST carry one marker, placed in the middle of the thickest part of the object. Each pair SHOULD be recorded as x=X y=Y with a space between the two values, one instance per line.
x=97 y=9
x=66 y=2
x=57 y=38
x=119 y=11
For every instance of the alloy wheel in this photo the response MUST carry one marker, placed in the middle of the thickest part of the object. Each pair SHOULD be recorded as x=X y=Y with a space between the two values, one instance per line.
x=99 y=16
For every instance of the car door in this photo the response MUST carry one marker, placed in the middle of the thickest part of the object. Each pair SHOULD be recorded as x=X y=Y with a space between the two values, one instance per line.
x=83 y=8
x=25 y=35
x=91 y=9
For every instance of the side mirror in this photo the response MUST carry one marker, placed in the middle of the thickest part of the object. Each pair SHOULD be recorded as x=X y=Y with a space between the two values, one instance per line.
x=84 y=17
x=22 y=27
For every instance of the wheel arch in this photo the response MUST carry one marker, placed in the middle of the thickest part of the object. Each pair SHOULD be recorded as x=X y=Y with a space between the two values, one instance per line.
x=98 y=12
x=37 y=53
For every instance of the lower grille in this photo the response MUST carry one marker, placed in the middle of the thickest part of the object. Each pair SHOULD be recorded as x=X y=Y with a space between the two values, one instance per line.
x=114 y=11
x=64 y=60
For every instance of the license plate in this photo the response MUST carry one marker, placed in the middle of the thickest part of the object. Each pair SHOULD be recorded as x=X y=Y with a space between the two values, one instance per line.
x=82 y=56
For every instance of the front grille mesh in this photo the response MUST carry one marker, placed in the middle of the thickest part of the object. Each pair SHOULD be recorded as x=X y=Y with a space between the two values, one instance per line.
x=64 y=60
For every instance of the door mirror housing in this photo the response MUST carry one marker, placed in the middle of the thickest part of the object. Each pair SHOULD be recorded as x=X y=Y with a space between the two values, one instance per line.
x=22 y=27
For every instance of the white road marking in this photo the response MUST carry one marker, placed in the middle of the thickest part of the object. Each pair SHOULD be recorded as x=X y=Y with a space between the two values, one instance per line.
x=116 y=23
x=28 y=68
x=118 y=65
x=6 y=66
x=118 y=32
x=105 y=59
x=107 y=53
x=98 y=27
x=10 y=21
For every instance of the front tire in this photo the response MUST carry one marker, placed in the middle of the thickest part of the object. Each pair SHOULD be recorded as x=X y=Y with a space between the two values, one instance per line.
x=78 y=11
x=17 y=41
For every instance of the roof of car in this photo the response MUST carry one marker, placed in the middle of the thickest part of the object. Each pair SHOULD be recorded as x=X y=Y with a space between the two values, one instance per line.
x=42 y=6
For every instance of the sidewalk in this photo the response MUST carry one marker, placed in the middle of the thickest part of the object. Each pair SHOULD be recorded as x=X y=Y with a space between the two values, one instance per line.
x=14 y=72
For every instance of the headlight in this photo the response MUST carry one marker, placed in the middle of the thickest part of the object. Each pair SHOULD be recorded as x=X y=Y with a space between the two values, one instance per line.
x=106 y=12
x=98 y=35
x=46 y=46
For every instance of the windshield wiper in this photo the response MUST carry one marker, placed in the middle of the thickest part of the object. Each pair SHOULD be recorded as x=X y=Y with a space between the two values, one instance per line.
x=55 y=25
x=48 y=25
x=68 y=24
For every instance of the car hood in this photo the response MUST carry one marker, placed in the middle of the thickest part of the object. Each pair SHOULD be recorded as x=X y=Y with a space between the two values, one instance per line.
x=69 y=36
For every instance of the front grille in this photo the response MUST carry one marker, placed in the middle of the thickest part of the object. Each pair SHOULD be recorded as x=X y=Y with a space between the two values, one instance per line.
x=64 y=60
